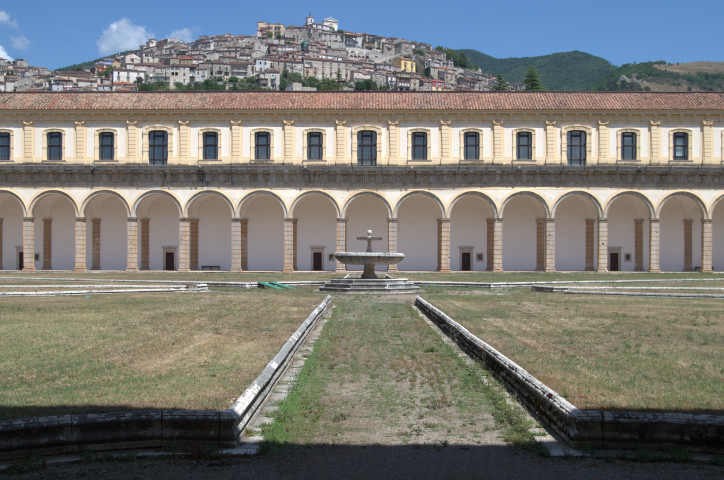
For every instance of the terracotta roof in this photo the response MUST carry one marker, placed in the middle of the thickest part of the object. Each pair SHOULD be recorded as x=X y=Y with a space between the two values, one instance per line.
x=495 y=101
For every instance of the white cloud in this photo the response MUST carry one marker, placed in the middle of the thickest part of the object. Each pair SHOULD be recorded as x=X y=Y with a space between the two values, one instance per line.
x=186 y=35
x=4 y=54
x=5 y=18
x=21 y=42
x=122 y=35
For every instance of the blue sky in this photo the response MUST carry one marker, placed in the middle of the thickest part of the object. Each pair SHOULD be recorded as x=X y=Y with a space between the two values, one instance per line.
x=56 y=34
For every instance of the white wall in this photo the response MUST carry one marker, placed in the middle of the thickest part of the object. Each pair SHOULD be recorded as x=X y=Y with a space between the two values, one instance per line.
x=519 y=233
x=672 y=216
x=114 y=232
x=316 y=227
x=214 y=217
x=571 y=217
x=63 y=232
x=621 y=229
x=364 y=213
x=468 y=228
x=417 y=233
x=266 y=233
x=12 y=236
x=718 y=237
x=163 y=229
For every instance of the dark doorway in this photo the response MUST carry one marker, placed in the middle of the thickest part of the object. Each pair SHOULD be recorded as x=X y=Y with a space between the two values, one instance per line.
x=170 y=261
x=317 y=261
x=465 y=261
x=613 y=262
x=21 y=261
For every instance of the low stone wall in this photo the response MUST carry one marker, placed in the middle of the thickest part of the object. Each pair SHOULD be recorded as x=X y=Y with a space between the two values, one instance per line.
x=149 y=428
x=588 y=428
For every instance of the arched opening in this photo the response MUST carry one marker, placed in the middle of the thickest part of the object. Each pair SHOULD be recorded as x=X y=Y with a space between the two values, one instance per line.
x=628 y=234
x=576 y=237
x=54 y=232
x=209 y=233
x=470 y=236
x=106 y=232
x=316 y=233
x=263 y=217
x=366 y=212
x=522 y=240
x=680 y=226
x=717 y=223
x=158 y=232
x=418 y=232
x=11 y=233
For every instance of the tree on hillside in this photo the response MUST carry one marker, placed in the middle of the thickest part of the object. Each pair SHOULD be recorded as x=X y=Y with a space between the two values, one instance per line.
x=532 y=81
x=500 y=84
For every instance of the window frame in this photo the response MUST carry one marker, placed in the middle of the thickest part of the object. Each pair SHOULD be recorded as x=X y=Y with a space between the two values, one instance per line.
x=207 y=147
x=636 y=147
x=152 y=160
x=580 y=149
x=257 y=135
x=9 y=135
x=373 y=147
x=464 y=135
x=51 y=151
x=517 y=135
x=320 y=148
x=100 y=146
x=680 y=133
x=411 y=148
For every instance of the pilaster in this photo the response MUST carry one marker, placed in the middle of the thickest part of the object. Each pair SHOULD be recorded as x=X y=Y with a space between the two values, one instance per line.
x=655 y=142
x=80 y=245
x=444 y=244
x=28 y=143
x=235 y=244
x=392 y=242
x=603 y=140
x=687 y=245
x=193 y=243
x=131 y=244
x=184 y=142
x=341 y=243
x=550 y=261
x=80 y=143
x=498 y=245
x=244 y=249
x=540 y=244
x=654 y=244
x=183 y=244
x=707 y=142
x=706 y=245
x=446 y=142
x=590 y=244
x=498 y=131
x=28 y=244
x=490 y=243
x=294 y=243
x=1 y=243
x=132 y=154
x=288 y=245
x=235 y=141
x=394 y=143
x=145 y=236
x=551 y=153
x=47 y=244
x=340 y=134
x=602 y=245
x=288 y=141
x=95 y=244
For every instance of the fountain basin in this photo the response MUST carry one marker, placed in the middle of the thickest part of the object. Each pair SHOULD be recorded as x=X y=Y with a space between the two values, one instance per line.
x=369 y=260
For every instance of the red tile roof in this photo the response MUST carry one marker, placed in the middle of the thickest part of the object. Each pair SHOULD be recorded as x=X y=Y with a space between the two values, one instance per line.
x=455 y=101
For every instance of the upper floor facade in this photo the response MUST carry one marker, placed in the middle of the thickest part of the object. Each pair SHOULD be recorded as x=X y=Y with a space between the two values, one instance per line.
x=363 y=129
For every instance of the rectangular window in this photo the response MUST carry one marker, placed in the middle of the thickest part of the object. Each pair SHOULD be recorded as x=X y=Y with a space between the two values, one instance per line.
x=314 y=146
x=105 y=146
x=211 y=146
x=4 y=146
x=681 y=146
x=55 y=146
x=523 y=150
x=472 y=146
x=576 y=147
x=157 y=147
x=367 y=148
x=419 y=146
x=628 y=146
x=261 y=147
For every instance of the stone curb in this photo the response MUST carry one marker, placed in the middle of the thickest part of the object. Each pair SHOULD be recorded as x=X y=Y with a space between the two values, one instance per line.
x=588 y=428
x=619 y=293
x=54 y=435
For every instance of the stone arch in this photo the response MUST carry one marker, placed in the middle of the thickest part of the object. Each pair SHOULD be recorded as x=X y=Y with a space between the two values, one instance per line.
x=524 y=215
x=315 y=215
x=55 y=214
x=18 y=198
x=717 y=238
x=250 y=196
x=149 y=193
x=471 y=231
x=158 y=213
x=530 y=193
x=596 y=202
x=692 y=196
x=629 y=217
x=263 y=216
x=106 y=213
x=639 y=195
x=12 y=212
x=431 y=195
x=575 y=215
x=97 y=193
x=300 y=198
x=216 y=193
x=357 y=195
x=481 y=195
x=681 y=216
x=37 y=198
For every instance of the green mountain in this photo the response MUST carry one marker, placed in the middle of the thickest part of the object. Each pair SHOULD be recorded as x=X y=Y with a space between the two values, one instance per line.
x=572 y=71
x=661 y=76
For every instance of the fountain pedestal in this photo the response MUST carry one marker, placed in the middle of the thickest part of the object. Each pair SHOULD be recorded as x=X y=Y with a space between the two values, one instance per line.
x=369 y=282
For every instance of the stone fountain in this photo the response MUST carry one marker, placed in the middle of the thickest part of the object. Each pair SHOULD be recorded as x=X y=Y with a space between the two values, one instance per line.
x=369 y=281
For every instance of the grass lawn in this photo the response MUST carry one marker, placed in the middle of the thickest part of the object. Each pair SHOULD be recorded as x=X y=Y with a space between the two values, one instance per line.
x=159 y=350
x=604 y=352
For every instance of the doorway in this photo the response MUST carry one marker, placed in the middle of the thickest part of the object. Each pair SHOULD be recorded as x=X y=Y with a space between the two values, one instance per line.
x=465 y=261
x=317 y=261
x=614 y=261
x=169 y=258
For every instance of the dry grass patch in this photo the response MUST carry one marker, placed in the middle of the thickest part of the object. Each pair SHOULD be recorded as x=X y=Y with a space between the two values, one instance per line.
x=605 y=352
x=110 y=352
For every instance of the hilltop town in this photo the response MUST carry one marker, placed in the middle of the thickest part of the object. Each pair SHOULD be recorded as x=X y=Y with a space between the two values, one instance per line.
x=313 y=56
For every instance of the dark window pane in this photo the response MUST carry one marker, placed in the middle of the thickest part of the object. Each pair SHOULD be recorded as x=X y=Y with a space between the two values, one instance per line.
x=314 y=146
x=55 y=146
x=628 y=146
x=157 y=147
x=105 y=149
x=523 y=146
x=211 y=144
x=681 y=146
x=262 y=150
x=367 y=148
x=4 y=146
x=472 y=146
x=419 y=146
x=576 y=147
